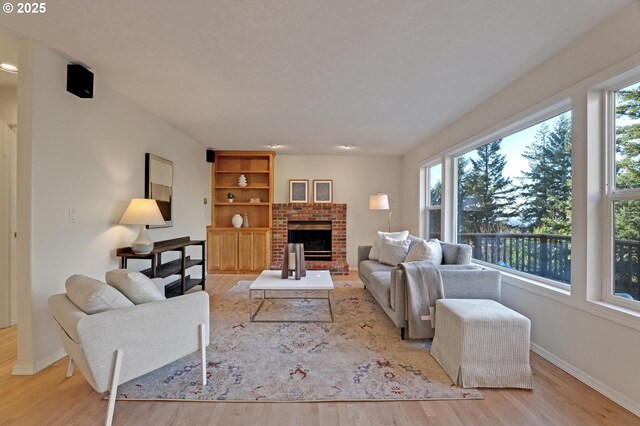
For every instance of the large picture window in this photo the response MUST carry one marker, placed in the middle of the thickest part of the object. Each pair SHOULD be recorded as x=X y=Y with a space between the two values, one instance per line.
x=623 y=196
x=514 y=200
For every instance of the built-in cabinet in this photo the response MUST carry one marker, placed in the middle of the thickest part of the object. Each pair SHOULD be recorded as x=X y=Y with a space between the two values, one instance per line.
x=244 y=249
x=238 y=251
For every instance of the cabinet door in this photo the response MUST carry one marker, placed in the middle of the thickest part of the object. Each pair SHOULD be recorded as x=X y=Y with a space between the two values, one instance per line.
x=245 y=251
x=222 y=251
x=261 y=250
x=254 y=250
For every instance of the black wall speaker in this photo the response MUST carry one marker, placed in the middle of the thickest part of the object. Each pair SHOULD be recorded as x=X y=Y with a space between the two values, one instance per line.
x=79 y=81
x=211 y=156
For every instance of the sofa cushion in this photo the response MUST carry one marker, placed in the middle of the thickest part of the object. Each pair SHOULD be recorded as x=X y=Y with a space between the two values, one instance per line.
x=93 y=296
x=374 y=254
x=367 y=267
x=425 y=250
x=456 y=254
x=393 y=251
x=380 y=287
x=136 y=286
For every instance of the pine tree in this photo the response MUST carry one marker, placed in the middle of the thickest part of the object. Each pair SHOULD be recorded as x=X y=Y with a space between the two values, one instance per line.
x=546 y=188
x=486 y=196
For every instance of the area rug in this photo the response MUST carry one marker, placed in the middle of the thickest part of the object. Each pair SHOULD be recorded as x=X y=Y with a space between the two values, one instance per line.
x=358 y=357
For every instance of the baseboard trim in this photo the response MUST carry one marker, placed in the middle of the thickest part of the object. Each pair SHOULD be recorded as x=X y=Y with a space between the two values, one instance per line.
x=31 y=369
x=588 y=380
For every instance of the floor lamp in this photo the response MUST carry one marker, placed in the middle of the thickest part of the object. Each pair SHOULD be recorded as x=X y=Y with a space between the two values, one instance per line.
x=380 y=201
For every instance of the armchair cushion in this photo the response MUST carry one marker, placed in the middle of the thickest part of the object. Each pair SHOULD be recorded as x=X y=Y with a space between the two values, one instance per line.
x=93 y=296
x=136 y=286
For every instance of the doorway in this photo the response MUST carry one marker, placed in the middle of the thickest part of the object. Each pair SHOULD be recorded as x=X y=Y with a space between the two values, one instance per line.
x=8 y=189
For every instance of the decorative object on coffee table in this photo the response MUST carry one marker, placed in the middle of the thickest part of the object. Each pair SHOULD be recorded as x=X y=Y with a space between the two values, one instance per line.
x=298 y=190
x=323 y=191
x=236 y=220
x=230 y=197
x=242 y=181
x=293 y=263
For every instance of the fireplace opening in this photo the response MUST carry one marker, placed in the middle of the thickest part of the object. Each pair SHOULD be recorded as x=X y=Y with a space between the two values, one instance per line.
x=315 y=235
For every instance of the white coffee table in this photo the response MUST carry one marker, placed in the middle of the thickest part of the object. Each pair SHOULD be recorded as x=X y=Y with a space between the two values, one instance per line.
x=271 y=281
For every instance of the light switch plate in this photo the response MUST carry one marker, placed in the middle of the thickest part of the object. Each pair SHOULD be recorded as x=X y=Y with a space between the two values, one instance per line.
x=73 y=216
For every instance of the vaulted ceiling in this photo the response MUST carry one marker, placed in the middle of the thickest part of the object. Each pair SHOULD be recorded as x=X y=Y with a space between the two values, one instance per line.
x=382 y=75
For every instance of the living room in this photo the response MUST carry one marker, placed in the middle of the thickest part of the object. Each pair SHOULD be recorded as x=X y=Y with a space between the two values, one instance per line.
x=88 y=156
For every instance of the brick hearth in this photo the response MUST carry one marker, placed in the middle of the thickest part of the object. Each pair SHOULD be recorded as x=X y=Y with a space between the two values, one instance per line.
x=336 y=213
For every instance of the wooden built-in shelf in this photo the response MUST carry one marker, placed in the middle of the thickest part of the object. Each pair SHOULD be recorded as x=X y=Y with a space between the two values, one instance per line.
x=242 y=172
x=244 y=187
x=240 y=249
x=241 y=203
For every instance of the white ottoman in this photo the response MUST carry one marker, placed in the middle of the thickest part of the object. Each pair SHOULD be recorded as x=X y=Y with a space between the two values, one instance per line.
x=481 y=343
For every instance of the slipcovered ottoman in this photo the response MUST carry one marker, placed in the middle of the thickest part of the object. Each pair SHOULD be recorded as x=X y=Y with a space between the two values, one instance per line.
x=481 y=343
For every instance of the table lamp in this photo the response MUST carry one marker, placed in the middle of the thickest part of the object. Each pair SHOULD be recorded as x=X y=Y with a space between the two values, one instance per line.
x=143 y=212
x=380 y=201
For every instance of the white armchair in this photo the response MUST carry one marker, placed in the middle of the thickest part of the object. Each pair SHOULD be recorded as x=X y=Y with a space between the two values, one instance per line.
x=115 y=346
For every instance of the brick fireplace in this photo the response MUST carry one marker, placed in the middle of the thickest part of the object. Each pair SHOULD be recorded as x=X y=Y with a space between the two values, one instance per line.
x=336 y=214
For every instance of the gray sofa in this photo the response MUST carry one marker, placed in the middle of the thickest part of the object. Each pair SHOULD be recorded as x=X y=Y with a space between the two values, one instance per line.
x=460 y=280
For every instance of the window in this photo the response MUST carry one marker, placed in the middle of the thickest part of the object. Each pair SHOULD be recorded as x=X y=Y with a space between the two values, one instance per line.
x=433 y=199
x=623 y=194
x=514 y=200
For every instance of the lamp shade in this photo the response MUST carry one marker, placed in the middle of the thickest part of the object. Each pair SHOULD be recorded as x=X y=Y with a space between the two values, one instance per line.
x=142 y=211
x=379 y=202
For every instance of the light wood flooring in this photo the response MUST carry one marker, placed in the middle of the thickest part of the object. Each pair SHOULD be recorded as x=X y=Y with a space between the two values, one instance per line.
x=49 y=398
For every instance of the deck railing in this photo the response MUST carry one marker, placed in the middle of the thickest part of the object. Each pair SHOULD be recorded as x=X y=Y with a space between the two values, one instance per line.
x=549 y=256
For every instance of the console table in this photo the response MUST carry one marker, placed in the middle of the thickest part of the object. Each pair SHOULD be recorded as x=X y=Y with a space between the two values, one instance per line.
x=178 y=266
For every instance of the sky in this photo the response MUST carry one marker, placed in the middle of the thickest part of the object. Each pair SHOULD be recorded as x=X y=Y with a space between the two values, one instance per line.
x=513 y=146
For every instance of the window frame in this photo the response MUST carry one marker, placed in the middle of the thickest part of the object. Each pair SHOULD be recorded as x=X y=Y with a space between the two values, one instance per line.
x=609 y=192
x=427 y=207
x=529 y=120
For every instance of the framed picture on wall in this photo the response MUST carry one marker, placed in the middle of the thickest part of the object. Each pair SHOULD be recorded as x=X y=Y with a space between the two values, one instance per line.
x=159 y=186
x=298 y=190
x=323 y=191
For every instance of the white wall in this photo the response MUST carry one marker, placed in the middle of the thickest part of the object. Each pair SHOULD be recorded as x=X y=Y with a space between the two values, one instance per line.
x=354 y=179
x=86 y=154
x=9 y=105
x=567 y=329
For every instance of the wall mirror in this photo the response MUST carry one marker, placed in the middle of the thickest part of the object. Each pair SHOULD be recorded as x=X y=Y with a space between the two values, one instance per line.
x=159 y=186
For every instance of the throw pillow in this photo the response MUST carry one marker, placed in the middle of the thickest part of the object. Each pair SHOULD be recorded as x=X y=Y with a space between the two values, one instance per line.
x=135 y=285
x=393 y=251
x=374 y=253
x=93 y=296
x=425 y=250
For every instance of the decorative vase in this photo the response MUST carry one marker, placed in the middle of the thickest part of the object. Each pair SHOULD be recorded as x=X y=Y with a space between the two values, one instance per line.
x=230 y=200
x=245 y=221
x=242 y=180
x=236 y=220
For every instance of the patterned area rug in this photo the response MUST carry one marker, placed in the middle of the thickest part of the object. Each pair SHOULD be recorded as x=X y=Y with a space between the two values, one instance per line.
x=358 y=357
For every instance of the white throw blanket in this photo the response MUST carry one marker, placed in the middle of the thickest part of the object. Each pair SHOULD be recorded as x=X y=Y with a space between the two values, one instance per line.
x=423 y=287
